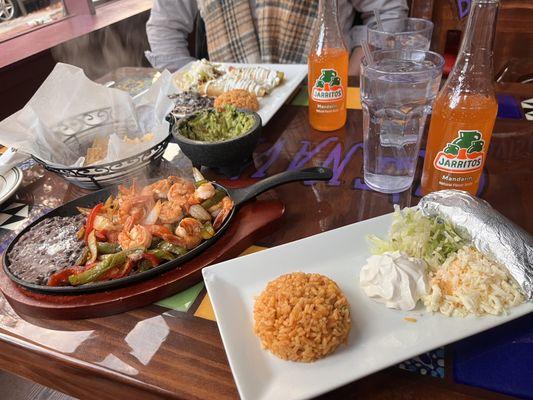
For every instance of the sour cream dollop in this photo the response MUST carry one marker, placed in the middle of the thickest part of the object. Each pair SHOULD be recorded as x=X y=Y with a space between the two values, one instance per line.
x=394 y=279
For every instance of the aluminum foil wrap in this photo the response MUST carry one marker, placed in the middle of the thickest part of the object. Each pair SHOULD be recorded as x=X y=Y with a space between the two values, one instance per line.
x=491 y=232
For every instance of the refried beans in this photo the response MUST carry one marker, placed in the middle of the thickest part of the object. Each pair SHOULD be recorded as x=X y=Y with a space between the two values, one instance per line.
x=48 y=247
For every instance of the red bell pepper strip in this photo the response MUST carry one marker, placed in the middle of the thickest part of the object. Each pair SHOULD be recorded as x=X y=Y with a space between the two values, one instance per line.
x=89 y=226
x=116 y=273
x=101 y=235
x=60 y=278
x=99 y=269
x=154 y=260
x=164 y=233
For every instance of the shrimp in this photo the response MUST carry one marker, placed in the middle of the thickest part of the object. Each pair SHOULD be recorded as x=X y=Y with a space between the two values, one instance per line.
x=129 y=210
x=189 y=231
x=134 y=206
x=127 y=192
x=170 y=212
x=204 y=192
x=157 y=189
x=137 y=236
x=164 y=232
x=227 y=206
x=180 y=189
x=160 y=188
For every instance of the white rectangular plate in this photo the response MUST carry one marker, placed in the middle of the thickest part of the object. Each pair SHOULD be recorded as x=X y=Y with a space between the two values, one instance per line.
x=380 y=337
x=271 y=103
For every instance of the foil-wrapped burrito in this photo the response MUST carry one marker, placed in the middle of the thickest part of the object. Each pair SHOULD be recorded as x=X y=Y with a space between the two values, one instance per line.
x=491 y=233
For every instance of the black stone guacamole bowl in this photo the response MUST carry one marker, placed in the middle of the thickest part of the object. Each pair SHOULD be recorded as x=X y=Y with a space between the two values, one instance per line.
x=225 y=156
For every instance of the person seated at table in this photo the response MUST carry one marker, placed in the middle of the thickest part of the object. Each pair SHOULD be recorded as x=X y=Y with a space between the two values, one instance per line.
x=255 y=31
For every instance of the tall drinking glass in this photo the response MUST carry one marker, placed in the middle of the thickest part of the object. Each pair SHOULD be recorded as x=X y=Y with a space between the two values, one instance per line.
x=400 y=33
x=397 y=91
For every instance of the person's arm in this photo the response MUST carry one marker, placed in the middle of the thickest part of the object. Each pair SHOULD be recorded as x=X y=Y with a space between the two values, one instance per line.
x=387 y=9
x=354 y=67
x=168 y=28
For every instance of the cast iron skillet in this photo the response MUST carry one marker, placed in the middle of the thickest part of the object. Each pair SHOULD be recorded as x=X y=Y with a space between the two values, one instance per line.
x=239 y=196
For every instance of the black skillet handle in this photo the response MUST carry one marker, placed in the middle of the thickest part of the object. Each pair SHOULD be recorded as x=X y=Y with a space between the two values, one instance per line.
x=239 y=196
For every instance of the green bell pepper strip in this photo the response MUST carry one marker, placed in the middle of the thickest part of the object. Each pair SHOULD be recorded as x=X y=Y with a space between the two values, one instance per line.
x=217 y=197
x=155 y=242
x=98 y=270
x=107 y=248
x=172 y=248
x=144 y=265
x=162 y=254
x=93 y=248
x=207 y=231
x=200 y=183
x=84 y=256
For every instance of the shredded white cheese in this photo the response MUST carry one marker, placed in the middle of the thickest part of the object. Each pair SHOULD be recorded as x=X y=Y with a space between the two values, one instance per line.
x=470 y=283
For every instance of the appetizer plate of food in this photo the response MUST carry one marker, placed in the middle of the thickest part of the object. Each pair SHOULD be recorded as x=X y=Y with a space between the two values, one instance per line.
x=309 y=316
x=126 y=234
x=263 y=88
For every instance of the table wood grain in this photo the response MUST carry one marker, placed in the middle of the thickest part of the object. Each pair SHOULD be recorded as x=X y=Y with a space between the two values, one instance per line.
x=153 y=352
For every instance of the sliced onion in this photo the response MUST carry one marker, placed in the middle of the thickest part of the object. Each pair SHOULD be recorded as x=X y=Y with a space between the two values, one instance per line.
x=153 y=215
x=101 y=223
x=197 y=175
x=198 y=212
x=93 y=248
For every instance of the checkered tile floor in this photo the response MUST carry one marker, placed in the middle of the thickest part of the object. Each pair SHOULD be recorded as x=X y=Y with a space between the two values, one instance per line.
x=13 y=216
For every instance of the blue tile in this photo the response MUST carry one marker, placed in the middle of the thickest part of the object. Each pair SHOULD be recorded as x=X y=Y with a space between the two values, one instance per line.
x=500 y=359
x=508 y=106
x=430 y=364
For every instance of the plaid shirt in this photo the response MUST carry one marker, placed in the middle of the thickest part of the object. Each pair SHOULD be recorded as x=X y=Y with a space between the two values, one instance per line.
x=252 y=30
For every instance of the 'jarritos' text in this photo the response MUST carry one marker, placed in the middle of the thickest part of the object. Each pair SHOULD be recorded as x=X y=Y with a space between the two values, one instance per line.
x=328 y=86
x=462 y=155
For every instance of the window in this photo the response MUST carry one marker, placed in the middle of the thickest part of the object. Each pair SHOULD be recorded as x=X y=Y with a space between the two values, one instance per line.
x=20 y=16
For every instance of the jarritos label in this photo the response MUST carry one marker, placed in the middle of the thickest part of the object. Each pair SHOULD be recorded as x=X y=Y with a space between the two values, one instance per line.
x=464 y=154
x=328 y=86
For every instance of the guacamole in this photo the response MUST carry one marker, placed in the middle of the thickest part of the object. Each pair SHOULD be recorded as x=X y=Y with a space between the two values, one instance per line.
x=214 y=125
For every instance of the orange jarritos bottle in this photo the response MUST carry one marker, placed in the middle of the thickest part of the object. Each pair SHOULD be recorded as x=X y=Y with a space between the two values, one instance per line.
x=465 y=110
x=328 y=71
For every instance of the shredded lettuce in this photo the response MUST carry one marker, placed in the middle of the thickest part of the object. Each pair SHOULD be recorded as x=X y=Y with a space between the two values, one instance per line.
x=419 y=236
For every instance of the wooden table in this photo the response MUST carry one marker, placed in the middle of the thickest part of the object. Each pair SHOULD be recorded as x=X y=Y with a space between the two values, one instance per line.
x=154 y=352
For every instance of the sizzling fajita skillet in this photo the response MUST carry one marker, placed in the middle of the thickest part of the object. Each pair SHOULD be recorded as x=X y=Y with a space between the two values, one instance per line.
x=239 y=196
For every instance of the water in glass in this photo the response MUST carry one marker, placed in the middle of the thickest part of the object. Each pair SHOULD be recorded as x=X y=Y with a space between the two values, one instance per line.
x=396 y=95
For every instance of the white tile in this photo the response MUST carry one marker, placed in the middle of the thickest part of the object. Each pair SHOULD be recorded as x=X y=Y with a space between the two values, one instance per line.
x=23 y=212
x=4 y=217
x=14 y=225
x=13 y=205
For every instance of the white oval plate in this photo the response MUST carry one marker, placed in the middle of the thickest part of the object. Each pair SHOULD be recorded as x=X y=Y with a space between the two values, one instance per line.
x=9 y=183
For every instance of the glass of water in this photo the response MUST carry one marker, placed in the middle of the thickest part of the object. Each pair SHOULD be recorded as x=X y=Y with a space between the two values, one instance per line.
x=400 y=33
x=397 y=90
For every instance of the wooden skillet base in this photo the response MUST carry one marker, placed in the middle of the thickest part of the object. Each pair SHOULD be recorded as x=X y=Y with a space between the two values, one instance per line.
x=252 y=221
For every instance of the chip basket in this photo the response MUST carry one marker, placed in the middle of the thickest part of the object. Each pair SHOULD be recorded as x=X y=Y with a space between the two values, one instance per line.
x=79 y=130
